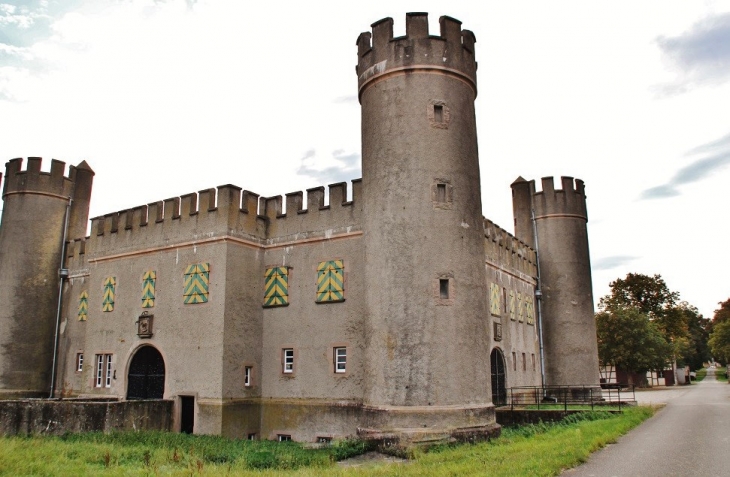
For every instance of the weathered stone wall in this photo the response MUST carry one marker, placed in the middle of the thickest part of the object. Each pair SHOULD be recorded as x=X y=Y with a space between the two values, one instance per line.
x=58 y=417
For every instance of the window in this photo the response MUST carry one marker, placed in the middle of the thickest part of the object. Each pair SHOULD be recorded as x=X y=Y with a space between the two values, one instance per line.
x=533 y=361
x=283 y=437
x=251 y=436
x=330 y=281
x=148 y=288
x=444 y=288
x=524 y=362
x=326 y=440
x=107 y=303
x=440 y=192
x=494 y=299
x=83 y=305
x=247 y=375
x=340 y=357
x=438 y=113
x=288 y=356
x=514 y=361
x=79 y=362
x=103 y=370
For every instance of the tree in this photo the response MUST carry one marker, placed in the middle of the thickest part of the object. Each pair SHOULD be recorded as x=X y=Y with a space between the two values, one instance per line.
x=720 y=342
x=629 y=340
x=698 y=331
x=720 y=333
x=650 y=295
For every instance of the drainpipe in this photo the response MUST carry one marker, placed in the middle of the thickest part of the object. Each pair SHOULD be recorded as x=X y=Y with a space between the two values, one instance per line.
x=63 y=274
x=538 y=295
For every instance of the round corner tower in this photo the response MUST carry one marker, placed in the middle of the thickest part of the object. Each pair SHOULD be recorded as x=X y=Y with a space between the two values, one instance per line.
x=32 y=231
x=560 y=237
x=427 y=333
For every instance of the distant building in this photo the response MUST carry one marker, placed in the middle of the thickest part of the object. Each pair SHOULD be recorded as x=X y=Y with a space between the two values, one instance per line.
x=401 y=312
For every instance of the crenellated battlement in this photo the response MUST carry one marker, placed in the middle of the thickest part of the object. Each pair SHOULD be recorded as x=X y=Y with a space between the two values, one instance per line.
x=570 y=199
x=223 y=211
x=33 y=180
x=506 y=250
x=450 y=53
x=76 y=254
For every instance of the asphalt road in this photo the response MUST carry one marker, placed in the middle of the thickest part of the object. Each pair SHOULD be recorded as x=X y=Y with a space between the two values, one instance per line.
x=689 y=437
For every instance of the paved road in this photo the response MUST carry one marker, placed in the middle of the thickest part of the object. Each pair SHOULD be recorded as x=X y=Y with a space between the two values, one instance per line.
x=689 y=437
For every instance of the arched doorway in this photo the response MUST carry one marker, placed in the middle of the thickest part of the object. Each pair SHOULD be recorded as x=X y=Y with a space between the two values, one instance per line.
x=146 y=378
x=499 y=387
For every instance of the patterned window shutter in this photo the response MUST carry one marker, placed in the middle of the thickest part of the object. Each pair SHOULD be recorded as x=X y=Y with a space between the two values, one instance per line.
x=520 y=308
x=197 y=277
x=330 y=281
x=512 y=307
x=110 y=285
x=83 y=305
x=530 y=310
x=495 y=299
x=277 y=287
x=148 y=289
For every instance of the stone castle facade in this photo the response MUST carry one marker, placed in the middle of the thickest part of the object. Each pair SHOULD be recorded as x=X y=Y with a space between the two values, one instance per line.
x=400 y=312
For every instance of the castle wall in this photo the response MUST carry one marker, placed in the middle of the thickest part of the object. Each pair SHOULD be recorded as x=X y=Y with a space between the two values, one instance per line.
x=511 y=272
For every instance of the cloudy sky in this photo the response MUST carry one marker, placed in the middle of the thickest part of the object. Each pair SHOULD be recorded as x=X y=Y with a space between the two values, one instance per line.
x=164 y=98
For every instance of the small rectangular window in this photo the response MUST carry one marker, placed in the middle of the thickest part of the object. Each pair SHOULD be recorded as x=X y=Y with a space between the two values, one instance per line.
x=247 y=375
x=326 y=440
x=251 y=436
x=524 y=362
x=340 y=360
x=514 y=361
x=438 y=113
x=283 y=437
x=533 y=361
x=79 y=362
x=103 y=371
x=444 y=288
x=288 y=360
x=440 y=192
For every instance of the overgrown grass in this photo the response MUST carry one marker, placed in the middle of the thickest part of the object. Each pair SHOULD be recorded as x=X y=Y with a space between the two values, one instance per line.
x=721 y=374
x=543 y=449
x=701 y=374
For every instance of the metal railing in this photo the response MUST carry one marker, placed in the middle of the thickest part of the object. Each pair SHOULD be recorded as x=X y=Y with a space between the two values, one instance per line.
x=570 y=396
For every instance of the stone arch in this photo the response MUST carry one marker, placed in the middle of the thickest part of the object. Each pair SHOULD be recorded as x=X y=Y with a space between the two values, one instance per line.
x=146 y=374
x=499 y=377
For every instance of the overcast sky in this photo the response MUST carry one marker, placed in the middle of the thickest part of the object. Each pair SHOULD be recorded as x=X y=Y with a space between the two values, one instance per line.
x=163 y=98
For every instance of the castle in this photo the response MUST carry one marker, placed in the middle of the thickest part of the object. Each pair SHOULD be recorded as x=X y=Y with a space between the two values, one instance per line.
x=401 y=312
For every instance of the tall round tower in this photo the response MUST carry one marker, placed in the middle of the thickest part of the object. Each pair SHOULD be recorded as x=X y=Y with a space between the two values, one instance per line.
x=35 y=207
x=427 y=329
x=568 y=324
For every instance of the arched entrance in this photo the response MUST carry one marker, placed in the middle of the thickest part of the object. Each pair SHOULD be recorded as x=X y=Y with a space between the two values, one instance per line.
x=499 y=387
x=146 y=378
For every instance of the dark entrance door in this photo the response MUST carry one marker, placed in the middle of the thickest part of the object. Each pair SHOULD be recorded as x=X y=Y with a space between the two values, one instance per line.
x=187 y=414
x=146 y=374
x=499 y=389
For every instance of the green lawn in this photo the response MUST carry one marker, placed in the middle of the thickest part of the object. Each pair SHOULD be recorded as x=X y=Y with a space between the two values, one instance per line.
x=543 y=449
x=701 y=374
x=721 y=374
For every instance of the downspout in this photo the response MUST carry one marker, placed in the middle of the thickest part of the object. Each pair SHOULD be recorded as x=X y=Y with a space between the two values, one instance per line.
x=538 y=296
x=62 y=274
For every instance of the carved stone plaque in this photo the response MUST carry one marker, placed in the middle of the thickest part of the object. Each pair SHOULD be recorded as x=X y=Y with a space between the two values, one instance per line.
x=144 y=325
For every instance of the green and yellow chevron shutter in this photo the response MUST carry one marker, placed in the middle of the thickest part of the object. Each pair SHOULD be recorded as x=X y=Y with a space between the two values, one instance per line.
x=148 y=289
x=330 y=281
x=511 y=304
x=83 y=305
x=495 y=302
x=107 y=303
x=197 y=277
x=277 y=286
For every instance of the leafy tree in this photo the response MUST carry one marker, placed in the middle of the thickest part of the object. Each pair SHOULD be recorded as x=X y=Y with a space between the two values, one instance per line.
x=629 y=340
x=720 y=333
x=698 y=331
x=720 y=342
x=650 y=295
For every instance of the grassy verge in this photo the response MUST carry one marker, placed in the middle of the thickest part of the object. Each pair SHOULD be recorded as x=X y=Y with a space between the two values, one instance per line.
x=721 y=374
x=701 y=374
x=543 y=449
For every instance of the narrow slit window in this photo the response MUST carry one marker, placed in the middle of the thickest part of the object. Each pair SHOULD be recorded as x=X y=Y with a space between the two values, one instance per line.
x=438 y=113
x=444 y=288
x=79 y=362
x=514 y=361
x=440 y=192
x=247 y=372
x=524 y=362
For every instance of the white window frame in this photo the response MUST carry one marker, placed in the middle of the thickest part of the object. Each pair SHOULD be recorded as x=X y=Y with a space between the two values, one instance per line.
x=283 y=437
x=247 y=372
x=288 y=360
x=79 y=362
x=103 y=371
x=340 y=357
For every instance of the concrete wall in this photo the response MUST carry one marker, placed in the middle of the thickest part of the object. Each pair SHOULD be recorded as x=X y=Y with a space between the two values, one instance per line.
x=60 y=417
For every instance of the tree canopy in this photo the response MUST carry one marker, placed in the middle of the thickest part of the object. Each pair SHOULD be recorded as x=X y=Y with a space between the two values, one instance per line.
x=642 y=298
x=720 y=335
